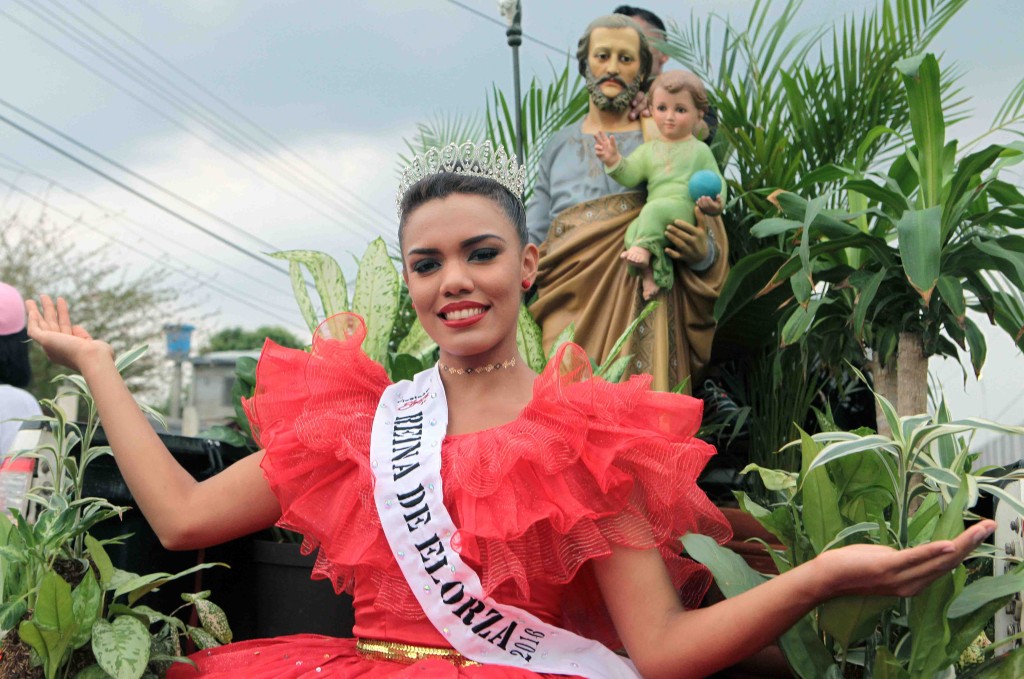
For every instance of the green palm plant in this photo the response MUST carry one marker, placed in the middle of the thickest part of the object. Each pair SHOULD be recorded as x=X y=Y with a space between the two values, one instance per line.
x=790 y=103
x=939 y=235
x=546 y=108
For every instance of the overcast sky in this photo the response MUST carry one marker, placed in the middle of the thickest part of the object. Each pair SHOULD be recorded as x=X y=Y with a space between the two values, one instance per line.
x=337 y=86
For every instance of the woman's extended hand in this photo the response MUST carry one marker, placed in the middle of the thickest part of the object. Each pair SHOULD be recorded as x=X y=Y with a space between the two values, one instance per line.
x=879 y=570
x=65 y=344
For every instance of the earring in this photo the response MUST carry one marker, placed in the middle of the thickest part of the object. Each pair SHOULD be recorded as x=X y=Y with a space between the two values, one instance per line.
x=526 y=284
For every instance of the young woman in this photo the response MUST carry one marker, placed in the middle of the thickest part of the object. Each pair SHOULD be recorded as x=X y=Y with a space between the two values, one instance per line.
x=489 y=522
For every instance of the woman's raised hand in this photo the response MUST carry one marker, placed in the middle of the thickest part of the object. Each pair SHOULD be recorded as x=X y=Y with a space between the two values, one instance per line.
x=65 y=344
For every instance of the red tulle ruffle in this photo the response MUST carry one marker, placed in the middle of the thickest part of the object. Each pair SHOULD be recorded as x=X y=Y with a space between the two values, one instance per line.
x=586 y=467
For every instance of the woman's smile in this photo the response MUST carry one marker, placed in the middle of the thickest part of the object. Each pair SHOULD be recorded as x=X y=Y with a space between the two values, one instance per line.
x=462 y=314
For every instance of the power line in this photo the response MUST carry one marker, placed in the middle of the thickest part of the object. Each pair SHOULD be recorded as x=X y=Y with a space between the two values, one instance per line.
x=559 y=51
x=234 y=246
x=164 y=264
x=225 y=104
x=21 y=168
x=366 y=231
x=186 y=102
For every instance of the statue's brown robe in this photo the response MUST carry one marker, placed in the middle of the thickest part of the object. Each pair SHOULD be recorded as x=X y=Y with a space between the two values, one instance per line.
x=581 y=280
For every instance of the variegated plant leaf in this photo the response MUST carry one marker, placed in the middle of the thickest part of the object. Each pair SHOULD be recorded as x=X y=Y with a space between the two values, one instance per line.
x=376 y=298
x=529 y=340
x=417 y=343
x=122 y=647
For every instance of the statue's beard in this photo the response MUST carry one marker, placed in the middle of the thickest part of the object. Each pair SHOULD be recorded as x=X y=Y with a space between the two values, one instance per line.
x=620 y=102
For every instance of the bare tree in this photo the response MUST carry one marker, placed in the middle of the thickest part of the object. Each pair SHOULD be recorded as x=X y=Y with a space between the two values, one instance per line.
x=40 y=256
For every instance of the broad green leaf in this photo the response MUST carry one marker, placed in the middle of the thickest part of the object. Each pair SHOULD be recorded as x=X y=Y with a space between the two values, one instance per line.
x=53 y=604
x=376 y=298
x=92 y=672
x=849 y=531
x=773 y=479
x=529 y=340
x=965 y=629
x=773 y=226
x=927 y=122
x=127 y=358
x=977 y=345
x=920 y=233
x=984 y=591
x=777 y=521
x=821 y=517
x=403 y=367
x=624 y=337
x=87 y=606
x=214 y=620
x=798 y=323
x=100 y=558
x=417 y=343
x=328 y=279
x=49 y=644
x=850 y=619
x=567 y=335
x=1009 y=666
x=865 y=296
x=302 y=298
x=887 y=666
x=929 y=626
x=11 y=612
x=951 y=292
x=835 y=451
x=122 y=647
x=615 y=370
x=135 y=586
x=951 y=522
x=202 y=638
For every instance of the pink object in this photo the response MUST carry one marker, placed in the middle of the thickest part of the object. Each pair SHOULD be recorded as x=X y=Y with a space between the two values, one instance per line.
x=12 y=310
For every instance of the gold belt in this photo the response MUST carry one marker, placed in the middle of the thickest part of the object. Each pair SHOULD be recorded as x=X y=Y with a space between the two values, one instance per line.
x=408 y=654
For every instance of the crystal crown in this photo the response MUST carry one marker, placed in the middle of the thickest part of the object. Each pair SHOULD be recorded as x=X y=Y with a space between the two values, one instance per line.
x=479 y=160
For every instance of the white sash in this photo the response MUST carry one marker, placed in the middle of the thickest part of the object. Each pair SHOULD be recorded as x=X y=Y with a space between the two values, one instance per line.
x=405 y=454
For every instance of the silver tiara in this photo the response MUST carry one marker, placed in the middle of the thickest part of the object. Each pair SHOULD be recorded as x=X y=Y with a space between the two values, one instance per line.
x=479 y=160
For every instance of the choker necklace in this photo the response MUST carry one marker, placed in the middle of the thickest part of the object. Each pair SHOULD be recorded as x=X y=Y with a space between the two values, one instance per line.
x=489 y=368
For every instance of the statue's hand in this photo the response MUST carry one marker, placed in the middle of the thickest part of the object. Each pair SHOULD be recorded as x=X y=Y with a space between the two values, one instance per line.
x=639 y=107
x=607 y=149
x=712 y=207
x=689 y=242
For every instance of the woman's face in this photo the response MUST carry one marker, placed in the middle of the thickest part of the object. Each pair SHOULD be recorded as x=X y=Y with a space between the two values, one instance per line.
x=464 y=267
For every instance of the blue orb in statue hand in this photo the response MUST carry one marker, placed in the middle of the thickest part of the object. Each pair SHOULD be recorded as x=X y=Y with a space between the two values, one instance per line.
x=704 y=183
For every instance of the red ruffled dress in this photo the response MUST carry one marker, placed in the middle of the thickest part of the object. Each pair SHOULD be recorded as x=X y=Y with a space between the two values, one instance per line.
x=585 y=466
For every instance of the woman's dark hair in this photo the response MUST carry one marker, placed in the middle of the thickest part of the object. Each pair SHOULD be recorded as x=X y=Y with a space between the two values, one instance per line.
x=14 y=366
x=444 y=184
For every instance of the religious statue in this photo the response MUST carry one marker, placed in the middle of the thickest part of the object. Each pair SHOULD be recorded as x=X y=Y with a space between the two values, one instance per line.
x=579 y=217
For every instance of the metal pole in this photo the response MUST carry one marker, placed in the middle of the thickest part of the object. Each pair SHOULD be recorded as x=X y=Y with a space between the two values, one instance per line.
x=515 y=39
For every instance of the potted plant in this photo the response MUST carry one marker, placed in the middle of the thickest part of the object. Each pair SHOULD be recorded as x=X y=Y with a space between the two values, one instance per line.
x=857 y=487
x=64 y=607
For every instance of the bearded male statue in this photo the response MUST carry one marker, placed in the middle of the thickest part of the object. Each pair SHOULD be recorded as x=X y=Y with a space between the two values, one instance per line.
x=578 y=215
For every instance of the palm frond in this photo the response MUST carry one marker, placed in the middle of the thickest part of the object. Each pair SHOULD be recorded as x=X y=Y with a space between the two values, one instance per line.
x=440 y=131
x=546 y=108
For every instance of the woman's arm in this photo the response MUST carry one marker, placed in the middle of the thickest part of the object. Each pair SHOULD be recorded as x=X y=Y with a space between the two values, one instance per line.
x=183 y=512
x=665 y=640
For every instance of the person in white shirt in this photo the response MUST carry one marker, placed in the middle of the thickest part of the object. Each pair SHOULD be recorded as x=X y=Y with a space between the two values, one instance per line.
x=15 y=372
